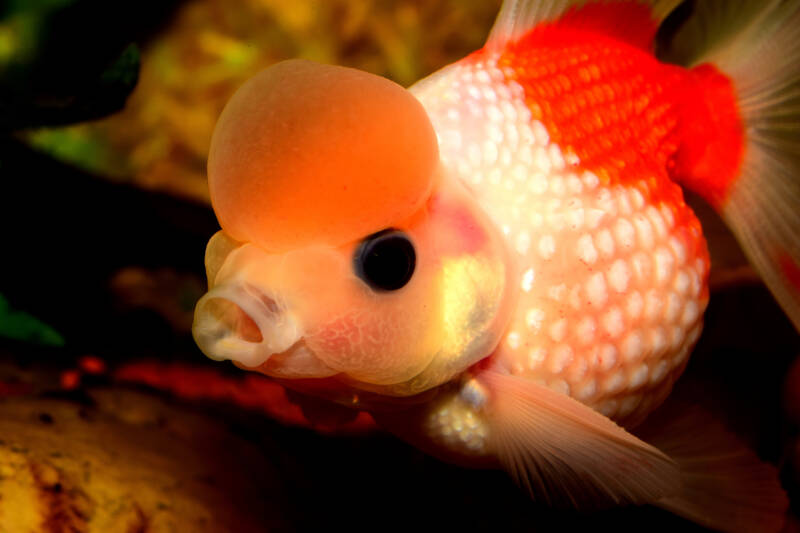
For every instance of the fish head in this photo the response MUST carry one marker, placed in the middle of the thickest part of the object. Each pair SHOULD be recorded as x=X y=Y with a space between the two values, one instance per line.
x=347 y=251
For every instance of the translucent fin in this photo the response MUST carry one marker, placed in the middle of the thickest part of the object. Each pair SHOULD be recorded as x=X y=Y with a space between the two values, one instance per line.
x=764 y=212
x=720 y=29
x=725 y=486
x=624 y=19
x=565 y=453
x=757 y=44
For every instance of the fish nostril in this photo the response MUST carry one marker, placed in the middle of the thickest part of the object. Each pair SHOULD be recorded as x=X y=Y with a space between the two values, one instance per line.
x=269 y=304
x=233 y=318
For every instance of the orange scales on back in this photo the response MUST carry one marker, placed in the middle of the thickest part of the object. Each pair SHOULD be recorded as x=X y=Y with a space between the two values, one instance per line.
x=602 y=95
x=617 y=113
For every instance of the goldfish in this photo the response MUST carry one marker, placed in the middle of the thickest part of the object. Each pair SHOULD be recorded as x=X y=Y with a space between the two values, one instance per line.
x=498 y=263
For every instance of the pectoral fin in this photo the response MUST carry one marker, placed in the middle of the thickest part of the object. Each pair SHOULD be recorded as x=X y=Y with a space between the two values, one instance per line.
x=565 y=453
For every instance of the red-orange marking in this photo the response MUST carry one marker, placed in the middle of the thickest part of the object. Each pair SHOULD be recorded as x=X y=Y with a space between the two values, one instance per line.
x=790 y=270
x=15 y=389
x=626 y=21
x=92 y=364
x=630 y=119
x=471 y=236
x=70 y=379
x=250 y=390
x=712 y=137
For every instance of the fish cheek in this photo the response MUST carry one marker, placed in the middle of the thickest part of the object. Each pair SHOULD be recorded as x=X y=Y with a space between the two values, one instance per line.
x=380 y=337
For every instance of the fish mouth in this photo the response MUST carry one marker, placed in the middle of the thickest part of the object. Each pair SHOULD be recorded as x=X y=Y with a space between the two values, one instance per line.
x=243 y=323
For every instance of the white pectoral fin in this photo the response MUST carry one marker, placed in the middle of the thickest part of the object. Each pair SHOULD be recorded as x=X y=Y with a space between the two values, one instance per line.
x=565 y=453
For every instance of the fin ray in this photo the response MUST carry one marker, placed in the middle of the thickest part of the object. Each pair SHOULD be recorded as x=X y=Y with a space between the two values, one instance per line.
x=565 y=453
x=519 y=17
x=757 y=45
x=725 y=486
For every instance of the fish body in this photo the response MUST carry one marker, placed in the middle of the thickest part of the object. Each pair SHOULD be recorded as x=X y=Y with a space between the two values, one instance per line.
x=568 y=143
x=498 y=264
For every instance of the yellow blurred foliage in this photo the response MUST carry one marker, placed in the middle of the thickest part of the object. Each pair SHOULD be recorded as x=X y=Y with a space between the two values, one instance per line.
x=160 y=140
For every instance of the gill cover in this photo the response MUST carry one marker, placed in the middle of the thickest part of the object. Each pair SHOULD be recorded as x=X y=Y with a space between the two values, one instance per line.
x=306 y=162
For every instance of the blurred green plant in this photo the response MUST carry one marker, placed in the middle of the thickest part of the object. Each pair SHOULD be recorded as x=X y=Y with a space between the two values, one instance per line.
x=51 y=71
x=210 y=47
x=64 y=64
x=57 y=68
x=21 y=326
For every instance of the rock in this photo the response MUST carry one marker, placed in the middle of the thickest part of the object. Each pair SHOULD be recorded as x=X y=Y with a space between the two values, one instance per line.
x=126 y=461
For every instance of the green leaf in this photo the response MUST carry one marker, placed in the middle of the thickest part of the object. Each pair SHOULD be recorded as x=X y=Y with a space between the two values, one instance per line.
x=15 y=6
x=59 y=64
x=19 y=325
x=125 y=70
x=101 y=97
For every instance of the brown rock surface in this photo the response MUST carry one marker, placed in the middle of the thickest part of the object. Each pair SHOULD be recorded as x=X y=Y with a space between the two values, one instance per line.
x=128 y=463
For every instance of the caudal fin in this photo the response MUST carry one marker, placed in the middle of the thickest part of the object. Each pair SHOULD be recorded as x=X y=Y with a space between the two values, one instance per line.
x=725 y=486
x=757 y=46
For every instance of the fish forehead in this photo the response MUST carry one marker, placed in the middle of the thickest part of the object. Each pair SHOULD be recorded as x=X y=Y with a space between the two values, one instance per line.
x=613 y=263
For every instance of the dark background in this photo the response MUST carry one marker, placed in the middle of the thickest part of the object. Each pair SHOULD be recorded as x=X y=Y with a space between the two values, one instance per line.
x=67 y=233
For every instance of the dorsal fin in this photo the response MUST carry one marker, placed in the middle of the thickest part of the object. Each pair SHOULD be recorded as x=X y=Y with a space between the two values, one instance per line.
x=634 y=22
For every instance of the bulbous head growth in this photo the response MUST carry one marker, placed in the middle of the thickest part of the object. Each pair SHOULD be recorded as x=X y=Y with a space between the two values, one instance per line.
x=300 y=144
x=347 y=252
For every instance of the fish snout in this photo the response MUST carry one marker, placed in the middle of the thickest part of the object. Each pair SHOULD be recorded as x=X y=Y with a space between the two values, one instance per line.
x=241 y=322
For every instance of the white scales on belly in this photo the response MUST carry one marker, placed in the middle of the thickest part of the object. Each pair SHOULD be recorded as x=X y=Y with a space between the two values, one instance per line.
x=610 y=298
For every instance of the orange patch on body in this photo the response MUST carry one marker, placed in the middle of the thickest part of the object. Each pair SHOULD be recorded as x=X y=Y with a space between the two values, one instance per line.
x=628 y=118
x=603 y=100
x=630 y=22
x=610 y=103
x=712 y=136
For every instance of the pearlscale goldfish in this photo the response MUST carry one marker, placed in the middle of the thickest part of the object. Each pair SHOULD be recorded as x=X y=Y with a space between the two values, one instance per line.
x=498 y=263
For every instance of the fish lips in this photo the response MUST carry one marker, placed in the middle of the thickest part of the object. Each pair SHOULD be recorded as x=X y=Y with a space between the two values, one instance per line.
x=242 y=323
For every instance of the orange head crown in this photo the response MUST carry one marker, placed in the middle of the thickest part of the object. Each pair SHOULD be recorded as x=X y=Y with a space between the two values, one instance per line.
x=314 y=154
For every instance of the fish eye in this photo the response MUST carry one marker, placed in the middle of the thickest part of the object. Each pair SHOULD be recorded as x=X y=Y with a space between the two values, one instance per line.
x=386 y=260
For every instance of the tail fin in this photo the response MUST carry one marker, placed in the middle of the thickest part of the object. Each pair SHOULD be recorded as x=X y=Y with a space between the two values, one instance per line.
x=757 y=45
x=725 y=486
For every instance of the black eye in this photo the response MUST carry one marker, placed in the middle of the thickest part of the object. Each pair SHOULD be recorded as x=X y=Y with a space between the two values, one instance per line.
x=386 y=260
